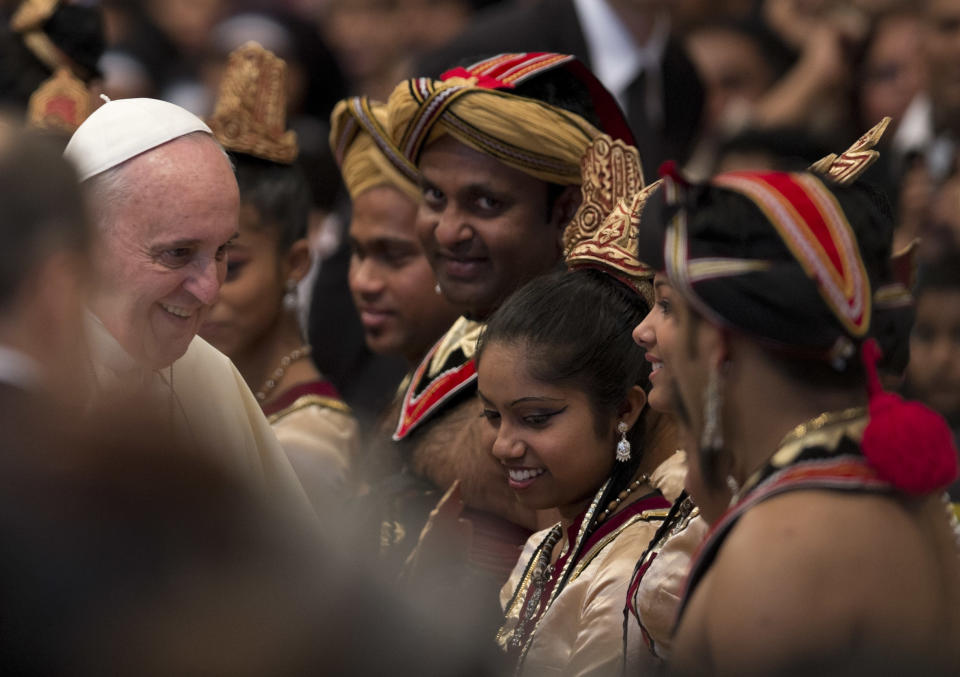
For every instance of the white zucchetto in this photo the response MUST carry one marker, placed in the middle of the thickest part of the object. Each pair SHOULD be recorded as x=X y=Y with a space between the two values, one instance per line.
x=124 y=128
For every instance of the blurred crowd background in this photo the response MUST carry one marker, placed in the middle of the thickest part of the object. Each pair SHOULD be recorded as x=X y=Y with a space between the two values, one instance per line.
x=741 y=83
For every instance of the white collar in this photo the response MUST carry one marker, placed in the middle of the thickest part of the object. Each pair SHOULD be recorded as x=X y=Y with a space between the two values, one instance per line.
x=615 y=57
x=106 y=351
x=19 y=369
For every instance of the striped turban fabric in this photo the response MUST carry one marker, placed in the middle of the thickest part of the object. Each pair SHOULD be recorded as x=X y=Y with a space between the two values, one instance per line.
x=364 y=152
x=774 y=255
x=476 y=105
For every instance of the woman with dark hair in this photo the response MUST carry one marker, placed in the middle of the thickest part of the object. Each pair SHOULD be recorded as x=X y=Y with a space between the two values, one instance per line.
x=563 y=388
x=255 y=321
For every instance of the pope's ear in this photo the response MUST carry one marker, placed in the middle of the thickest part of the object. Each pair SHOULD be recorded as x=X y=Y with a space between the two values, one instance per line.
x=297 y=260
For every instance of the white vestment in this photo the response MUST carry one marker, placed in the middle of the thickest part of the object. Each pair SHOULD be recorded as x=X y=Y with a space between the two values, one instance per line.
x=208 y=405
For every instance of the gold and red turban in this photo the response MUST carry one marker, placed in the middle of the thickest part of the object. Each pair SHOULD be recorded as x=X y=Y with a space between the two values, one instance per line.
x=476 y=105
x=364 y=152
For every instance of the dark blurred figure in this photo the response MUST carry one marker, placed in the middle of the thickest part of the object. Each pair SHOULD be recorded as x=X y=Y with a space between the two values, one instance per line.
x=43 y=277
x=160 y=48
x=784 y=150
x=933 y=375
x=37 y=38
x=892 y=69
x=627 y=44
x=155 y=563
x=375 y=40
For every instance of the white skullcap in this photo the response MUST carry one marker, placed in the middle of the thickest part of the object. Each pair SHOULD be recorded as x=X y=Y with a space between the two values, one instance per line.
x=124 y=128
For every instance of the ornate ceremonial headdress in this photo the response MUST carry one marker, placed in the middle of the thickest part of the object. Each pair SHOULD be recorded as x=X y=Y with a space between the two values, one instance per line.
x=603 y=232
x=798 y=246
x=364 y=152
x=477 y=105
x=60 y=104
x=251 y=112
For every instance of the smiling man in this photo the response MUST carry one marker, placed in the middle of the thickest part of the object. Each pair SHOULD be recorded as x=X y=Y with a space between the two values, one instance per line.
x=165 y=206
x=390 y=279
x=499 y=146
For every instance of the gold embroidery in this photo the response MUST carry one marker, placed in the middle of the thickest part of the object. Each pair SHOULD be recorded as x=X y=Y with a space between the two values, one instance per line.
x=311 y=401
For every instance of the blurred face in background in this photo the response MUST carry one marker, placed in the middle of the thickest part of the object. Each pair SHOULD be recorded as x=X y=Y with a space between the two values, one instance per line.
x=941 y=42
x=391 y=281
x=933 y=373
x=733 y=69
x=250 y=303
x=366 y=35
x=893 y=69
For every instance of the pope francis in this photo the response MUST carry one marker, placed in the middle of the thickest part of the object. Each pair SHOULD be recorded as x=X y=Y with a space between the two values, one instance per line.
x=165 y=205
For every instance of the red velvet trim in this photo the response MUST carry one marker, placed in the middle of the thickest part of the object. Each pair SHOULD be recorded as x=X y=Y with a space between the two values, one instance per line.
x=417 y=407
x=810 y=214
x=322 y=388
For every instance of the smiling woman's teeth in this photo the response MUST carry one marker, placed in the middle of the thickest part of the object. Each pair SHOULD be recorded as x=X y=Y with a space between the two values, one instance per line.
x=524 y=475
x=174 y=310
x=656 y=365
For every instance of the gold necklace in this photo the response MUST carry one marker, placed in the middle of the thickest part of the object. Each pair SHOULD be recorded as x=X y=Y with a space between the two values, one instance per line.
x=274 y=379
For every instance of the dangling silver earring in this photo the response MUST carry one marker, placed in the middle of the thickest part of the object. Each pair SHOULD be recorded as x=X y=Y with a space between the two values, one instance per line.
x=290 y=303
x=623 y=446
x=711 y=440
x=437 y=290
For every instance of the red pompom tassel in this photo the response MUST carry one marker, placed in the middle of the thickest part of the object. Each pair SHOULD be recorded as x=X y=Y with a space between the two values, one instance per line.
x=908 y=444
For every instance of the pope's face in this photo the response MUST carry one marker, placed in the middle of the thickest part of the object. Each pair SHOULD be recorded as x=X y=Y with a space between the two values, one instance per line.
x=485 y=227
x=161 y=255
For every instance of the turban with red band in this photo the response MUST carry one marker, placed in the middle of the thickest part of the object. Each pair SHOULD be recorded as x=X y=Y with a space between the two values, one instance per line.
x=481 y=106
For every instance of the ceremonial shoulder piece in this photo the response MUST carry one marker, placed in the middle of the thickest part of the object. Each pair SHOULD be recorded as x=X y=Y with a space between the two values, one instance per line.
x=363 y=150
x=447 y=371
x=60 y=104
x=477 y=107
x=251 y=111
x=603 y=232
x=822 y=454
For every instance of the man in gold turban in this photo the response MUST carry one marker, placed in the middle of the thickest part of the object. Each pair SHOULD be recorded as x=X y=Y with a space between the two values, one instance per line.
x=391 y=281
x=498 y=145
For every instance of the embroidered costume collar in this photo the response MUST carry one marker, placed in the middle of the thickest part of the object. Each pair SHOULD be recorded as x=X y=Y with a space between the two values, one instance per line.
x=447 y=370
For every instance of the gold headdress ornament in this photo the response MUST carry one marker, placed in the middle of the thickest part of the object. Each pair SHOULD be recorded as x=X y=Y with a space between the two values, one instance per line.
x=251 y=112
x=853 y=162
x=28 y=21
x=846 y=168
x=61 y=103
x=603 y=232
